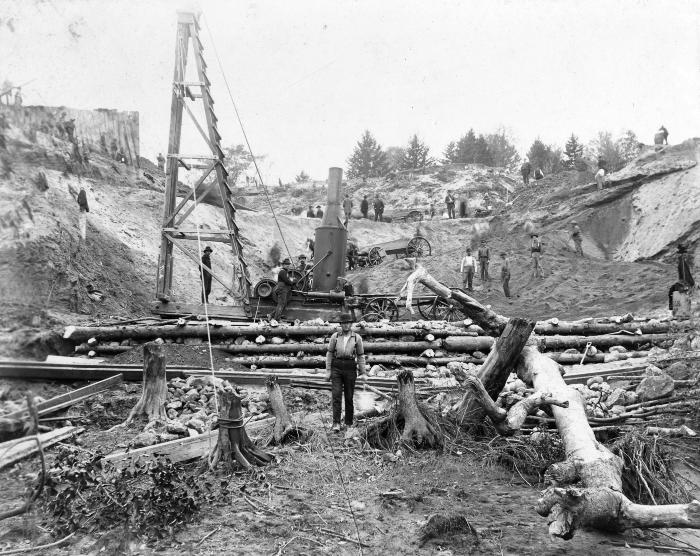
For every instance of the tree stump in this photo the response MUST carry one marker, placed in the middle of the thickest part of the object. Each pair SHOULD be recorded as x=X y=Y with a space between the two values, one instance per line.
x=234 y=445
x=284 y=429
x=155 y=388
x=494 y=373
x=417 y=429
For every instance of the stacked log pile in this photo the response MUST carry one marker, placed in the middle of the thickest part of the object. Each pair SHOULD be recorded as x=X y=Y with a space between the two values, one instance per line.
x=426 y=345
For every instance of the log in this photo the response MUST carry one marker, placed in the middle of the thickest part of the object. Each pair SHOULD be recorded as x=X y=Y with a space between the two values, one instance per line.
x=155 y=387
x=370 y=347
x=599 y=503
x=553 y=343
x=494 y=373
x=597 y=328
x=79 y=334
x=234 y=445
x=319 y=361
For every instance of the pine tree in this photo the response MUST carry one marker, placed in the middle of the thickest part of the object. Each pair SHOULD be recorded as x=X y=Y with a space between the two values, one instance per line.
x=573 y=151
x=415 y=156
x=466 y=147
x=482 y=153
x=502 y=149
x=368 y=159
x=545 y=157
x=450 y=153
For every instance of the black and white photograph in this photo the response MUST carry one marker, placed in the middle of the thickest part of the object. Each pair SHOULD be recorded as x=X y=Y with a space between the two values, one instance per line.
x=349 y=277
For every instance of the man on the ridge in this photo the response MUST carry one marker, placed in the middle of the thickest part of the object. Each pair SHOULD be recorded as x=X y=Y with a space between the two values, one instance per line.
x=484 y=257
x=525 y=170
x=450 y=203
x=347 y=208
x=364 y=207
x=577 y=238
x=536 y=254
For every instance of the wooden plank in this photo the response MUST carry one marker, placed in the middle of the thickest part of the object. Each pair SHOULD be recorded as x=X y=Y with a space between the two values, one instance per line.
x=182 y=449
x=14 y=451
x=65 y=400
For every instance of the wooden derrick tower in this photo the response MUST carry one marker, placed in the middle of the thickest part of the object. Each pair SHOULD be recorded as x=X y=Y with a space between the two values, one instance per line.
x=175 y=231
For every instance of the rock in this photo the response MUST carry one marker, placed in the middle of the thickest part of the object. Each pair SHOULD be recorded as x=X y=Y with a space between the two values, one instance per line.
x=681 y=370
x=654 y=387
x=358 y=506
x=260 y=339
x=192 y=432
x=618 y=349
x=146 y=438
x=479 y=355
x=616 y=397
x=239 y=340
x=695 y=343
x=595 y=380
x=320 y=341
x=177 y=404
x=192 y=341
x=429 y=338
x=375 y=369
x=176 y=427
x=631 y=397
x=192 y=395
x=653 y=370
x=276 y=340
x=419 y=373
x=92 y=342
x=407 y=338
x=196 y=424
x=618 y=409
x=167 y=437
x=430 y=368
x=172 y=414
x=572 y=351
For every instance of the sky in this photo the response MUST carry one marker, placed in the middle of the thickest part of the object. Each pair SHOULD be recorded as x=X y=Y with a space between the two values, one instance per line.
x=309 y=77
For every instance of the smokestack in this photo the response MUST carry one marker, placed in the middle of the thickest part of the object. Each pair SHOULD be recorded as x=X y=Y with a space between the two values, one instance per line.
x=331 y=236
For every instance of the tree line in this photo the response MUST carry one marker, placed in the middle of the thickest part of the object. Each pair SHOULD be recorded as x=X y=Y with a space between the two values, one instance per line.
x=370 y=160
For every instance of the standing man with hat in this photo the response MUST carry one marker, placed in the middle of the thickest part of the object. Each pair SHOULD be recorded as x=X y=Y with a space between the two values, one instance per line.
x=206 y=274
x=283 y=289
x=345 y=356
x=577 y=237
x=536 y=255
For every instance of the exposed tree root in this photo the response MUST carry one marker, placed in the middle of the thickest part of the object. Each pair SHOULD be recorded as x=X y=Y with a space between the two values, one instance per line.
x=155 y=388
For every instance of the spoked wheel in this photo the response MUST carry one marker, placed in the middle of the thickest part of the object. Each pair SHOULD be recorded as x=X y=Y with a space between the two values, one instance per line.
x=442 y=310
x=380 y=308
x=418 y=247
x=264 y=288
x=414 y=216
x=374 y=257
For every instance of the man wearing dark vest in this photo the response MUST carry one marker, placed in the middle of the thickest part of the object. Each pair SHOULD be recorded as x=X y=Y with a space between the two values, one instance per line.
x=483 y=255
x=345 y=356
x=283 y=289
x=364 y=207
x=685 y=278
x=206 y=275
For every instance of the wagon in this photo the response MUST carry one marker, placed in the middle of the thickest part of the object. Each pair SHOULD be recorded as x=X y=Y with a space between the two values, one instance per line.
x=417 y=246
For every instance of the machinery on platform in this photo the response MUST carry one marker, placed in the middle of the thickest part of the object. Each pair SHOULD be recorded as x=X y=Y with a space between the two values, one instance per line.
x=318 y=291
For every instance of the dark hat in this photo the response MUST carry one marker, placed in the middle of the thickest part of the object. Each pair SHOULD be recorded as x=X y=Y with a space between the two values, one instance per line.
x=345 y=317
x=302 y=256
x=534 y=234
x=286 y=261
x=207 y=249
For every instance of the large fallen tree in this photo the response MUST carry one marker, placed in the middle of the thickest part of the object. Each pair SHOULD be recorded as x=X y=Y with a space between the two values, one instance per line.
x=587 y=487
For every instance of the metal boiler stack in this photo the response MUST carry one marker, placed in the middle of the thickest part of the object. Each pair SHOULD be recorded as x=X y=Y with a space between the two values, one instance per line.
x=331 y=236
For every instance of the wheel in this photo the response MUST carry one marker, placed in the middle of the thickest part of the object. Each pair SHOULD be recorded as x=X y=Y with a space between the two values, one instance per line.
x=442 y=310
x=374 y=257
x=380 y=308
x=264 y=288
x=414 y=216
x=418 y=247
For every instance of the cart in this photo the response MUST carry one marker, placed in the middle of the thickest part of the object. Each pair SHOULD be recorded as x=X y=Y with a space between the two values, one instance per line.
x=417 y=246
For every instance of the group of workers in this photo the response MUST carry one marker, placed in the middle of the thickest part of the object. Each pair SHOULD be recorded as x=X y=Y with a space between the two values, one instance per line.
x=377 y=205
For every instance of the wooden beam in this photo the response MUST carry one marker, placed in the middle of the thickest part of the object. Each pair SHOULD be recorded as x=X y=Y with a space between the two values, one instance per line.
x=65 y=400
x=13 y=451
x=168 y=221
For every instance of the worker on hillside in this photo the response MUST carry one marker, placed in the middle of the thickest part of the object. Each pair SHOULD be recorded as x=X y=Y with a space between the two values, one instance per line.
x=310 y=212
x=82 y=200
x=161 y=162
x=364 y=206
x=345 y=356
x=467 y=269
x=450 y=202
x=525 y=171
x=310 y=244
x=431 y=210
x=347 y=208
x=505 y=274
x=577 y=238
x=319 y=212
x=378 y=209
x=484 y=257
x=69 y=127
x=539 y=174
x=18 y=97
x=283 y=289
x=206 y=274
x=600 y=174
x=536 y=255
x=664 y=133
x=685 y=277
x=351 y=255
